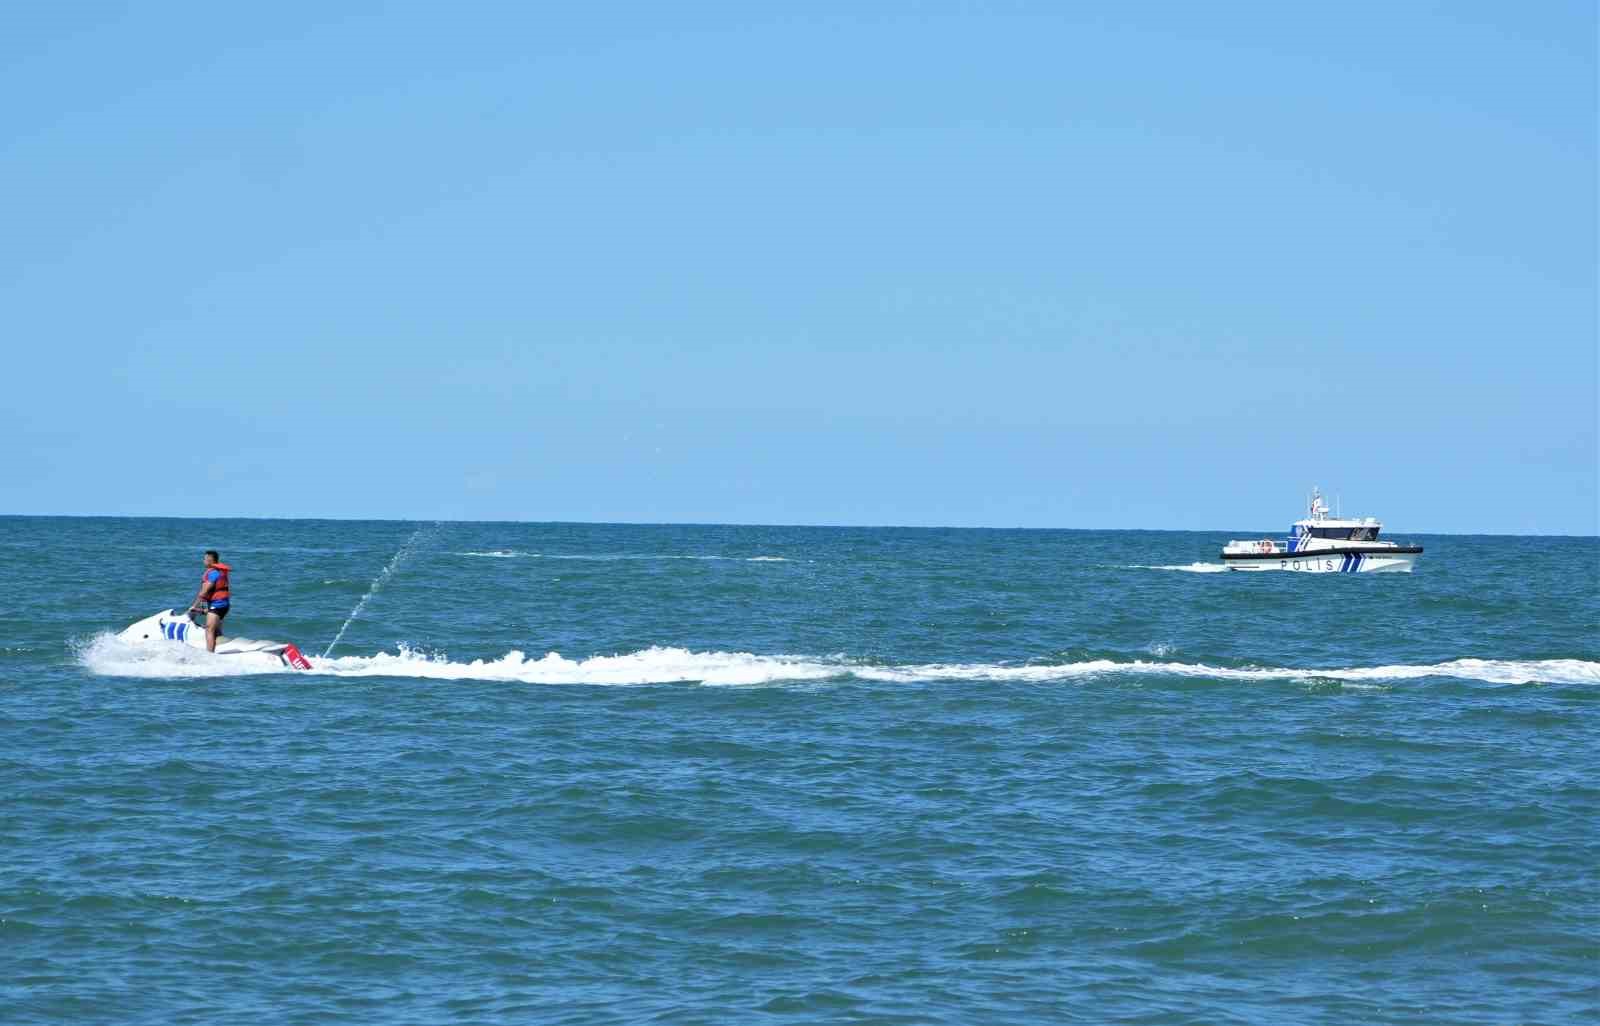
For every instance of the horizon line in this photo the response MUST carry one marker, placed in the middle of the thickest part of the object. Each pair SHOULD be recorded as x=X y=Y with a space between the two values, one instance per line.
x=709 y=523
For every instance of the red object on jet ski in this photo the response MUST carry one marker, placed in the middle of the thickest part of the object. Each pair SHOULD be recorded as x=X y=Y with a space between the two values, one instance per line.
x=292 y=656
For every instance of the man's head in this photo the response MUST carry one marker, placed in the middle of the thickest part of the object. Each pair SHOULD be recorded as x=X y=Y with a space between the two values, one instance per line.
x=212 y=557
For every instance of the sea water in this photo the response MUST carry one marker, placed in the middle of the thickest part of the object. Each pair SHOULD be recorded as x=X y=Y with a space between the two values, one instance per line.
x=602 y=773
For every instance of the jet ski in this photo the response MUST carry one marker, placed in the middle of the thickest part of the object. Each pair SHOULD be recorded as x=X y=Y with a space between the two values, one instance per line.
x=172 y=627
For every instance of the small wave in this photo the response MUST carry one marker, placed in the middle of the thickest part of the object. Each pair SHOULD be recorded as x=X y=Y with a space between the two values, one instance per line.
x=107 y=655
x=615 y=557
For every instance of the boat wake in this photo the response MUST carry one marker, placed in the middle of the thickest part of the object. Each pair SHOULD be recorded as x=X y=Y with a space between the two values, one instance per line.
x=106 y=655
x=1188 y=568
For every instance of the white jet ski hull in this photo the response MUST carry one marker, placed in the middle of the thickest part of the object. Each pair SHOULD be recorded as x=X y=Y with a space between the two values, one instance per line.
x=173 y=628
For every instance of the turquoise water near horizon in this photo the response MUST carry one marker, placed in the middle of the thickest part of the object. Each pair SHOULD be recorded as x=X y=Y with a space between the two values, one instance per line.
x=579 y=773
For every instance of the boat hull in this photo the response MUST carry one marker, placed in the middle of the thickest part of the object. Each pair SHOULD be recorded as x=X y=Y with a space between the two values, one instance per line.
x=171 y=627
x=1396 y=560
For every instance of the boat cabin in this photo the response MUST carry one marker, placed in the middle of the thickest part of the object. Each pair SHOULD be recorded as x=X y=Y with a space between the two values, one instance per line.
x=1339 y=531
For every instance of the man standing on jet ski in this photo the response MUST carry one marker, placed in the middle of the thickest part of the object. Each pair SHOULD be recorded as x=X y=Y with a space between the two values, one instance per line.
x=213 y=597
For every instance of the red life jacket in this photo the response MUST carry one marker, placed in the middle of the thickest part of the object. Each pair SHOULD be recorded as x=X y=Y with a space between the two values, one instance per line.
x=219 y=591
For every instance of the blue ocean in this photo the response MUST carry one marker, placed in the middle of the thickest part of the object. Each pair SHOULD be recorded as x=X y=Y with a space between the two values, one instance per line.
x=573 y=773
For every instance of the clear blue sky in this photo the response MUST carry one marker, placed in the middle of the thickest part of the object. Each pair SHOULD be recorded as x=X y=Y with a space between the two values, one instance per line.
x=1004 y=264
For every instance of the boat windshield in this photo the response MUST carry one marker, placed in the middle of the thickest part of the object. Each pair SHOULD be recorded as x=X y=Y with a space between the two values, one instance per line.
x=1344 y=533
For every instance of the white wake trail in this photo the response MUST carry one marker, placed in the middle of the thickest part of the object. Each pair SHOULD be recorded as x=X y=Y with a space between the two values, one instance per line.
x=1188 y=568
x=109 y=656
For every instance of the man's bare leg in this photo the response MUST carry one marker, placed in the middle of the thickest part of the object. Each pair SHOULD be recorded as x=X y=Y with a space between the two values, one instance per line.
x=213 y=631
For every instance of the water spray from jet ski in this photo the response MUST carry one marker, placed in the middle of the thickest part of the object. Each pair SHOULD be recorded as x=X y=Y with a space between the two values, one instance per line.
x=382 y=578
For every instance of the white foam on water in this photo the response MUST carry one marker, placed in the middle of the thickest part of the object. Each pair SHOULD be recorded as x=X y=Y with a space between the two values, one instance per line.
x=1493 y=671
x=614 y=557
x=1188 y=568
x=108 y=655
x=650 y=666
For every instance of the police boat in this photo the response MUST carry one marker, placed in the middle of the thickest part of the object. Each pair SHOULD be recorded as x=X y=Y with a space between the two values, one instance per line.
x=1323 y=544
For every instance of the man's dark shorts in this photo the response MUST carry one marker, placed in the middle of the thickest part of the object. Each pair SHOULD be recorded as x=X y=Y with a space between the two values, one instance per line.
x=220 y=611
